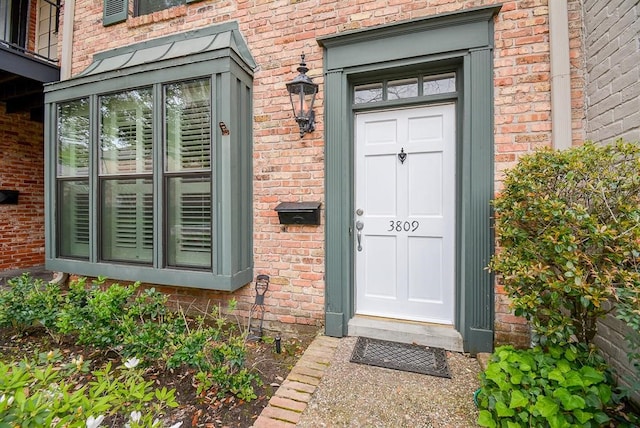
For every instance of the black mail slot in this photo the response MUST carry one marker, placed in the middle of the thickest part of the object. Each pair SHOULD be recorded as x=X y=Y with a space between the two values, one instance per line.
x=299 y=212
x=8 y=196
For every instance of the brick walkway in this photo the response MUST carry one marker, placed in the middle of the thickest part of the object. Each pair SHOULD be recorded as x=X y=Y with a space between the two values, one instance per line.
x=290 y=400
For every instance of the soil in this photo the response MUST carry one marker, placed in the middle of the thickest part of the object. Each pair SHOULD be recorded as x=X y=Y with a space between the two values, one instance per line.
x=194 y=411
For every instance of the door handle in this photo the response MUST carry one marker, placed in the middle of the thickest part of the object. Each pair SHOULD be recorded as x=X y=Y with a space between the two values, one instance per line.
x=359 y=227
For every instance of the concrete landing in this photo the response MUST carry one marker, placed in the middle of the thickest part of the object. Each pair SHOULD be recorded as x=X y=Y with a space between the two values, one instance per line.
x=425 y=334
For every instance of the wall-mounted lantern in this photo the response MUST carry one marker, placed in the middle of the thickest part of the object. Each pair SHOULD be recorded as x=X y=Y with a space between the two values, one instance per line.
x=302 y=92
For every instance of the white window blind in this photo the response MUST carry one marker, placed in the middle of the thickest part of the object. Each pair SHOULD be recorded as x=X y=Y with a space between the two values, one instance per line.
x=136 y=137
x=195 y=136
x=81 y=219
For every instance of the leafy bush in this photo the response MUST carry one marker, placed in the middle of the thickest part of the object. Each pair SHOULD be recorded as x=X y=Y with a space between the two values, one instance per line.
x=48 y=392
x=136 y=326
x=29 y=302
x=217 y=349
x=568 y=226
x=149 y=328
x=533 y=388
x=94 y=315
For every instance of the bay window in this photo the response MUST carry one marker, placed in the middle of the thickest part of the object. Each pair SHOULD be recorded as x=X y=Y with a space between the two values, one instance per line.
x=125 y=170
x=146 y=185
x=187 y=172
x=73 y=177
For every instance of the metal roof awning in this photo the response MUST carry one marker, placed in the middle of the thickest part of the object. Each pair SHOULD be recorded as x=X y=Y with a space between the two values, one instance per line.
x=222 y=38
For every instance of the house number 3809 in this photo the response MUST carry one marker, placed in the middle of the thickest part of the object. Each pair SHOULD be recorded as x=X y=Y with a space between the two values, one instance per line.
x=406 y=226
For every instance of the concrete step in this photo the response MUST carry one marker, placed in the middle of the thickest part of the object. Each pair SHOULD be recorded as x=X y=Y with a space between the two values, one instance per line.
x=425 y=334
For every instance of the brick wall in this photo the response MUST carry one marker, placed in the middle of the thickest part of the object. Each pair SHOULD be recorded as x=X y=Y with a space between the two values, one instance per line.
x=287 y=168
x=613 y=67
x=22 y=169
x=613 y=111
x=523 y=108
x=32 y=27
x=612 y=344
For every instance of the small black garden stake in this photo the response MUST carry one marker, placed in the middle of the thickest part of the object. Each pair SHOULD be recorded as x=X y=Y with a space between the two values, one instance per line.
x=257 y=310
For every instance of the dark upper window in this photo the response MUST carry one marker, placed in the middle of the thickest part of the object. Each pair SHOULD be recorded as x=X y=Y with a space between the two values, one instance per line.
x=144 y=7
x=14 y=22
x=115 y=11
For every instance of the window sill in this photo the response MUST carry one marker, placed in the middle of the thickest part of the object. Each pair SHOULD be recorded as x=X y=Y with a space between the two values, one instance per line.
x=149 y=275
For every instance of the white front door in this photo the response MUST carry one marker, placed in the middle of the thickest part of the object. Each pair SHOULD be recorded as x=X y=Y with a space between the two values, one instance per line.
x=405 y=213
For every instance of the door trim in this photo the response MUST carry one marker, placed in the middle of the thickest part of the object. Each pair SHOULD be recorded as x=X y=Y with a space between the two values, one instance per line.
x=466 y=38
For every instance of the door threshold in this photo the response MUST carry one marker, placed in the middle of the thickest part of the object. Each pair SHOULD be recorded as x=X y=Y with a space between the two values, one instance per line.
x=420 y=333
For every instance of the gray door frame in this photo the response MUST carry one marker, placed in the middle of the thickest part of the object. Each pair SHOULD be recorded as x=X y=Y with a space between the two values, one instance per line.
x=462 y=38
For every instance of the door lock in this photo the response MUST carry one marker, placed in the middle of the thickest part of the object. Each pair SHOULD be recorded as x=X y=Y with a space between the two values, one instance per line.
x=359 y=211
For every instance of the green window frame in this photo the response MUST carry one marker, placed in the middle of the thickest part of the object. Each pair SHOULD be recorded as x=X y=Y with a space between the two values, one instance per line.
x=125 y=175
x=142 y=184
x=187 y=173
x=72 y=171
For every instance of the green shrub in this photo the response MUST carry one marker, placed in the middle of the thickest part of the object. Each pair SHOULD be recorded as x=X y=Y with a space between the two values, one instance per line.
x=149 y=328
x=48 y=392
x=533 y=388
x=217 y=349
x=29 y=302
x=568 y=227
x=94 y=315
x=136 y=326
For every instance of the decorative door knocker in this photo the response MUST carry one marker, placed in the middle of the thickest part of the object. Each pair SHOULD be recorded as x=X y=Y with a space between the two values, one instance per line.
x=402 y=155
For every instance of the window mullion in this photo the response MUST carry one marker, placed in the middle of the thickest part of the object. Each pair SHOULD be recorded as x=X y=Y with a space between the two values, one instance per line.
x=94 y=197
x=158 y=149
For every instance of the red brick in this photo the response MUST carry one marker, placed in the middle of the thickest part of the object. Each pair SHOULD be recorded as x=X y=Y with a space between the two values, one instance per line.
x=265 y=422
x=21 y=169
x=286 y=167
x=281 y=414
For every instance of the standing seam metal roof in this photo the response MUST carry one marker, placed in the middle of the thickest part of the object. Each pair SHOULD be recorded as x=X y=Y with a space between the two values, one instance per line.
x=209 y=39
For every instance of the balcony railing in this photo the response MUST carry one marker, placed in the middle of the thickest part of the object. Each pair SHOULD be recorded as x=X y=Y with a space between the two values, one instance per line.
x=30 y=27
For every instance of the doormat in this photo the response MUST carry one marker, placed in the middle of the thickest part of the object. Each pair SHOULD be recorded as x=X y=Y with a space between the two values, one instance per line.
x=401 y=356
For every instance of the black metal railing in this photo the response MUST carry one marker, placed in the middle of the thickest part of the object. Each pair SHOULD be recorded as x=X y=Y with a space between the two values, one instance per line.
x=16 y=30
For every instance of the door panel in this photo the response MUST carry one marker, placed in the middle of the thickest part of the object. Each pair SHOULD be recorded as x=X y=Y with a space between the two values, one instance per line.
x=405 y=208
x=380 y=277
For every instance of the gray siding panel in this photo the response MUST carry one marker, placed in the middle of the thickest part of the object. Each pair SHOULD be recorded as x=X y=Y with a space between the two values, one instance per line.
x=612 y=49
x=612 y=29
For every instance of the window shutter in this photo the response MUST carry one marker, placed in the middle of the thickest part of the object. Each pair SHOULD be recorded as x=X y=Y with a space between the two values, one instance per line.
x=115 y=11
x=75 y=221
x=134 y=221
x=195 y=232
x=136 y=134
x=81 y=223
x=193 y=227
x=195 y=136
